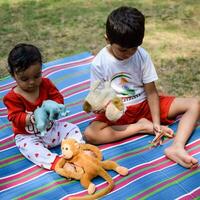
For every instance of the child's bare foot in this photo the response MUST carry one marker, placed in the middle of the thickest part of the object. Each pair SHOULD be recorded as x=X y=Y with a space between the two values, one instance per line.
x=147 y=125
x=148 y=128
x=180 y=156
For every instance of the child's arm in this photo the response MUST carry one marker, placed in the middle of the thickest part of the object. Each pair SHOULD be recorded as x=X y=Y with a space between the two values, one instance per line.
x=16 y=111
x=154 y=104
x=54 y=93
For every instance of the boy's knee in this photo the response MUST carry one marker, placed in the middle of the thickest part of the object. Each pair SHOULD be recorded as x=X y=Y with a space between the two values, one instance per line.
x=89 y=135
x=195 y=104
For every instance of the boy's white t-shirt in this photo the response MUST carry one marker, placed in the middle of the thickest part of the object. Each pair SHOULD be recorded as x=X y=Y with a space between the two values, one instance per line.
x=128 y=76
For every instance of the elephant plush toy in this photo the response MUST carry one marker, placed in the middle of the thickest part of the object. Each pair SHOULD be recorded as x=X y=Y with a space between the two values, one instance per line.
x=49 y=111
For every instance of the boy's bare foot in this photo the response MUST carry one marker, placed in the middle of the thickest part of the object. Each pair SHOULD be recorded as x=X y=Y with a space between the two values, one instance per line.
x=148 y=128
x=180 y=156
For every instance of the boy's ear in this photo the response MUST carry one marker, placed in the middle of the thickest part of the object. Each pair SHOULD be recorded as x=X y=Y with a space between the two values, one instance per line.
x=106 y=38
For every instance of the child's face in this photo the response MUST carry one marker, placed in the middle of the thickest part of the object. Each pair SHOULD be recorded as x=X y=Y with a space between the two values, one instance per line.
x=30 y=79
x=122 y=53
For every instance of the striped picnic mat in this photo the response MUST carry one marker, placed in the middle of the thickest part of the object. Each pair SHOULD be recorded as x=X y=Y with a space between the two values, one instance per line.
x=151 y=175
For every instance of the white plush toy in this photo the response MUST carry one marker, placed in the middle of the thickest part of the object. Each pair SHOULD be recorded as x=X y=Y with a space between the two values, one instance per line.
x=104 y=99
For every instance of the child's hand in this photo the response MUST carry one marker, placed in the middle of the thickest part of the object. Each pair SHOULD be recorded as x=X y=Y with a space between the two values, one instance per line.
x=32 y=118
x=161 y=131
x=158 y=138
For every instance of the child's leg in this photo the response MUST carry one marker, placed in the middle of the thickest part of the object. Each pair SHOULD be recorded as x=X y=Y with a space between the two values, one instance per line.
x=75 y=133
x=33 y=149
x=60 y=131
x=99 y=132
x=190 y=108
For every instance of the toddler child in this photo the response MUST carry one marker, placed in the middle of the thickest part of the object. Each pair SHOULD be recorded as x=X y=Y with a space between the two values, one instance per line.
x=25 y=66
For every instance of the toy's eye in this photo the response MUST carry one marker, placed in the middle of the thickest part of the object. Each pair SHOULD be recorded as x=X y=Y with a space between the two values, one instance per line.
x=66 y=148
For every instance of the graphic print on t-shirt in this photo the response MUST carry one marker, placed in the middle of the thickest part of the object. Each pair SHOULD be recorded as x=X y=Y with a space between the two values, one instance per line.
x=122 y=85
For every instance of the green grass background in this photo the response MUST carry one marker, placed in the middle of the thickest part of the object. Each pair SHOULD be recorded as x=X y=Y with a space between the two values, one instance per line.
x=65 y=27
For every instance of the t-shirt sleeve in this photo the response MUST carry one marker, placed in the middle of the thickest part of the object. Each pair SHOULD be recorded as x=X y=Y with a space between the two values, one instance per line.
x=16 y=110
x=54 y=93
x=149 y=71
x=97 y=71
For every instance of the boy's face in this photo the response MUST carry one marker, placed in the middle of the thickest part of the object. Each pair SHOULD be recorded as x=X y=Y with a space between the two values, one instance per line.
x=122 y=53
x=30 y=79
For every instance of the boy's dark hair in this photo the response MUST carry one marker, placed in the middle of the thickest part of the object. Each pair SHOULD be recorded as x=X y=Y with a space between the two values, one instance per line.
x=125 y=27
x=22 y=56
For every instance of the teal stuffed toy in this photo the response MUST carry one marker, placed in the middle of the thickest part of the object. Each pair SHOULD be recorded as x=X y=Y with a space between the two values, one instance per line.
x=49 y=111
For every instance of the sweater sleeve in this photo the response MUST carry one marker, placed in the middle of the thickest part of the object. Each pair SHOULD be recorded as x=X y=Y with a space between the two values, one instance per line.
x=54 y=93
x=16 y=110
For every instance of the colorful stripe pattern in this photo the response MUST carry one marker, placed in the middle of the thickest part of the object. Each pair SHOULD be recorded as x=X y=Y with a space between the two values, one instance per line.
x=151 y=174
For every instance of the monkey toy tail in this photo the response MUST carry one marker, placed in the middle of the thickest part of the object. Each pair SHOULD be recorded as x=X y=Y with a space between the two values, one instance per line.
x=101 y=193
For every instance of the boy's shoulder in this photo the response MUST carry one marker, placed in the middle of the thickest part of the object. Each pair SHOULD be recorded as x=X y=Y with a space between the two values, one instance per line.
x=142 y=51
x=102 y=57
x=101 y=53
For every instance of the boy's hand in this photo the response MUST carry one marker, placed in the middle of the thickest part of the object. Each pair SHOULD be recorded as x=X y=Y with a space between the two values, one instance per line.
x=158 y=133
x=161 y=131
x=158 y=138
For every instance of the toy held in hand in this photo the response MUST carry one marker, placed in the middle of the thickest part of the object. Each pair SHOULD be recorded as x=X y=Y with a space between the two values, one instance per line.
x=49 y=111
x=54 y=109
x=104 y=99
x=41 y=120
x=73 y=153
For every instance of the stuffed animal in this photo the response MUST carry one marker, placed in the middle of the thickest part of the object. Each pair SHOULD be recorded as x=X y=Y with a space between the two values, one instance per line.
x=50 y=110
x=73 y=152
x=72 y=171
x=41 y=120
x=104 y=99
x=54 y=109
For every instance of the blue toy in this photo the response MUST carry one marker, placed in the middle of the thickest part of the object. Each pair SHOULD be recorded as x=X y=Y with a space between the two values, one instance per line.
x=49 y=111
x=41 y=120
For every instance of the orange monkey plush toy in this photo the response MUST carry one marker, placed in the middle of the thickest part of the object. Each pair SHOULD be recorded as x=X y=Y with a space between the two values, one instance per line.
x=91 y=167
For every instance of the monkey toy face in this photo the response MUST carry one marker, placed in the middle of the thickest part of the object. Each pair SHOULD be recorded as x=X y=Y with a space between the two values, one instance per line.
x=69 y=148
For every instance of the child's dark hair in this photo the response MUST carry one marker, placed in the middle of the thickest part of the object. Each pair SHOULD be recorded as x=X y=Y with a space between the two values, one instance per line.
x=22 y=56
x=125 y=27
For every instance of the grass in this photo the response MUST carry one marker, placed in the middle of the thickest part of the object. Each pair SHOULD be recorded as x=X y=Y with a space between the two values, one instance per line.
x=61 y=28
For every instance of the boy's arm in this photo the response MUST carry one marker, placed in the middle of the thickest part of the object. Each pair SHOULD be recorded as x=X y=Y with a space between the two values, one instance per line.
x=154 y=104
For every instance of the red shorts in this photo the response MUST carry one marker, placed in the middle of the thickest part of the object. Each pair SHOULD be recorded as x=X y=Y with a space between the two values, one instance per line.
x=136 y=112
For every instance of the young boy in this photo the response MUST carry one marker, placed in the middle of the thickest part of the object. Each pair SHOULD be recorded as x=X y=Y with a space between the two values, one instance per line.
x=25 y=66
x=132 y=75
